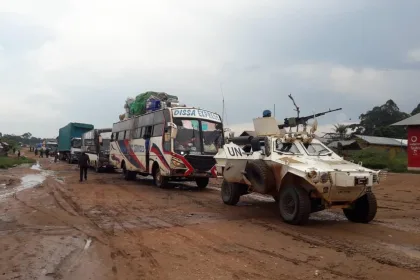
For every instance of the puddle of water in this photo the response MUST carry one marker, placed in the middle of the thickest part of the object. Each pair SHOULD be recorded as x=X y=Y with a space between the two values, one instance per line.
x=27 y=181
x=410 y=252
x=36 y=166
x=88 y=242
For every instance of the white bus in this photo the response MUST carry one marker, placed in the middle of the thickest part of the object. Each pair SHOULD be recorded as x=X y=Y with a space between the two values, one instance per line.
x=171 y=144
x=96 y=144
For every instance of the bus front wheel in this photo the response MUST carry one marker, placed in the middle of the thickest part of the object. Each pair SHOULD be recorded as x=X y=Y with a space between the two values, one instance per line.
x=159 y=180
x=202 y=182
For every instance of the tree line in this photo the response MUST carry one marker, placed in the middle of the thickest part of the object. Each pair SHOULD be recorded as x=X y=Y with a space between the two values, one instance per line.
x=14 y=140
x=377 y=121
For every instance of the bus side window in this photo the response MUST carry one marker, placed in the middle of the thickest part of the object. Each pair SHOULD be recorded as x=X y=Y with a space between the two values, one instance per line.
x=147 y=132
x=147 y=120
x=137 y=133
x=167 y=115
x=127 y=134
x=158 y=118
x=112 y=137
x=116 y=136
x=158 y=130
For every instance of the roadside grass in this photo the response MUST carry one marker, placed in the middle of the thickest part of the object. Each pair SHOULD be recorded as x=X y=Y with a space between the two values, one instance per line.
x=7 y=162
x=380 y=159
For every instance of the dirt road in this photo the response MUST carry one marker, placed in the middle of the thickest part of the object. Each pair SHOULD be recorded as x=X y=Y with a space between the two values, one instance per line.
x=108 y=228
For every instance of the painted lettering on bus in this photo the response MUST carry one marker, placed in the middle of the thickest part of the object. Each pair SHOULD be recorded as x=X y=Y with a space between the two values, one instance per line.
x=137 y=148
x=234 y=151
x=196 y=113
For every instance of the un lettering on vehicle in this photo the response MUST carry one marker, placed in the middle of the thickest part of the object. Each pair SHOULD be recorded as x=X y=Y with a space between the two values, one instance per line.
x=235 y=151
x=196 y=113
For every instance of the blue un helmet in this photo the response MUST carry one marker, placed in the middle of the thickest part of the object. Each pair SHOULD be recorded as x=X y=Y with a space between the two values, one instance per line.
x=266 y=114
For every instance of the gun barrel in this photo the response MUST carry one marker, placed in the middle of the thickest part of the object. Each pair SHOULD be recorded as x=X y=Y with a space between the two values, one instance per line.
x=303 y=120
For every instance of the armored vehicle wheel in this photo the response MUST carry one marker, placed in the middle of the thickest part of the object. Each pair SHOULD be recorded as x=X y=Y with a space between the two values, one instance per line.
x=159 y=180
x=295 y=205
x=231 y=192
x=363 y=210
x=202 y=182
x=260 y=176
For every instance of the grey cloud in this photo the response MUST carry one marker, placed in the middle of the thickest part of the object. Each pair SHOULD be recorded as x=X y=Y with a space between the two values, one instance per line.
x=254 y=49
x=18 y=33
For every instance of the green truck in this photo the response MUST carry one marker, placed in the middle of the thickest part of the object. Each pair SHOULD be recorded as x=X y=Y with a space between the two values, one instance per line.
x=70 y=141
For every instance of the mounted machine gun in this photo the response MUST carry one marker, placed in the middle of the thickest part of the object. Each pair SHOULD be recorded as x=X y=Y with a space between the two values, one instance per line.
x=295 y=122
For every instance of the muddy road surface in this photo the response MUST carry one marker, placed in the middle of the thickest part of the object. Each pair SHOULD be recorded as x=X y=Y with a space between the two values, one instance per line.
x=53 y=227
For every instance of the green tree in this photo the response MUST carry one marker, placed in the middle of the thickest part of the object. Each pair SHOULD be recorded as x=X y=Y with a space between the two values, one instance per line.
x=416 y=110
x=377 y=121
x=27 y=135
x=341 y=130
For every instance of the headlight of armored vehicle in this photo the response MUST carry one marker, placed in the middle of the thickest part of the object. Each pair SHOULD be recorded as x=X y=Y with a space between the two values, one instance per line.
x=318 y=176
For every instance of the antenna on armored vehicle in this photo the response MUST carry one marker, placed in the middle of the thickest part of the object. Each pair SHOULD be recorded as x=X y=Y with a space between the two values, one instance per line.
x=297 y=110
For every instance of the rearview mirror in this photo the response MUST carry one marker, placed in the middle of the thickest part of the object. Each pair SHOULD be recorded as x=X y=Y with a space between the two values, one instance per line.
x=174 y=129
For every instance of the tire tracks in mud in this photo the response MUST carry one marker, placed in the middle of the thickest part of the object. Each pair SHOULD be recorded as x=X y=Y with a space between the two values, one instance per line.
x=239 y=250
x=348 y=248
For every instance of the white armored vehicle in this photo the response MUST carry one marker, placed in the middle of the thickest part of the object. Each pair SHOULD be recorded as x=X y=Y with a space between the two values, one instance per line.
x=299 y=171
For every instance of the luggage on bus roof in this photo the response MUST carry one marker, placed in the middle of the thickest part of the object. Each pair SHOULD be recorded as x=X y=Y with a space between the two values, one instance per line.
x=138 y=107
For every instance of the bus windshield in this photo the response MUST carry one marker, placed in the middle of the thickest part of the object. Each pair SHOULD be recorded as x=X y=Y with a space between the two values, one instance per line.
x=190 y=141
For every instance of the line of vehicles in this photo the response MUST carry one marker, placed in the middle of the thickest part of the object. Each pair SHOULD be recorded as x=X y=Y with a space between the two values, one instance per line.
x=170 y=144
x=188 y=144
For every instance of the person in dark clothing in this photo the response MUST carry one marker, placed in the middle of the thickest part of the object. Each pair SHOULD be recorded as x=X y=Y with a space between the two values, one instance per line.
x=18 y=153
x=83 y=165
x=47 y=152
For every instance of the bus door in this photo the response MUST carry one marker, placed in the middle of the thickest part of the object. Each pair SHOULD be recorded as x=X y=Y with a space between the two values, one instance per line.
x=146 y=136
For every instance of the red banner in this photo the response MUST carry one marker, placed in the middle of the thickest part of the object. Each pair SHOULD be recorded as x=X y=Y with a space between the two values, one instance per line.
x=413 y=148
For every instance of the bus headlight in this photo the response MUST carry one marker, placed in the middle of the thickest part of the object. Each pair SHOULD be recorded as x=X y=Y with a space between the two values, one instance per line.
x=177 y=163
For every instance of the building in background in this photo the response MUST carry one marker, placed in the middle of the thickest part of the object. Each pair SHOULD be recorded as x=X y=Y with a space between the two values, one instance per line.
x=413 y=150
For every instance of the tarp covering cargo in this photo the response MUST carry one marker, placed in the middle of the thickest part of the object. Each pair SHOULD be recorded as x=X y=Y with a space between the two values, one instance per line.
x=139 y=106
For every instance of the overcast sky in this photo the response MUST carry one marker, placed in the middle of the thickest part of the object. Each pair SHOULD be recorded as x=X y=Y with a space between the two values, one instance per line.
x=77 y=61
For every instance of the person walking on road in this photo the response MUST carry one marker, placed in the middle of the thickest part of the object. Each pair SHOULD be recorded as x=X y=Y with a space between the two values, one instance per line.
x=18 y=154
x=83 y=165
x=41 y=153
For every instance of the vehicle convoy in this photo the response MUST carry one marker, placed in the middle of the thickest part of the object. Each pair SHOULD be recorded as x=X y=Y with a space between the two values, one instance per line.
x=70 y=141
x=169 y=142
x=299 y=171
x=96 y=143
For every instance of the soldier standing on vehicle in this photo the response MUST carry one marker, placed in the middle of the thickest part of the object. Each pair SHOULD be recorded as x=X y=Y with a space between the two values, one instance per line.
x=83 y=165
